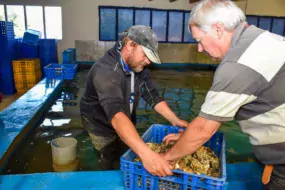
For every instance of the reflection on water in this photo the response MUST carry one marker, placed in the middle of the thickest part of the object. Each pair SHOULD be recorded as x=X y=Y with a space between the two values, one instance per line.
x=184 y=92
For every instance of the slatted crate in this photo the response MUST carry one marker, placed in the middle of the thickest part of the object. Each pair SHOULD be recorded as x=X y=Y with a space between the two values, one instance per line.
x=25 y=82
x=26 y=66
x=27 y=79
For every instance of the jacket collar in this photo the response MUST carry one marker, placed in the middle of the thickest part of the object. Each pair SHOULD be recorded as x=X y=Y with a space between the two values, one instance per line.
x=117 y=48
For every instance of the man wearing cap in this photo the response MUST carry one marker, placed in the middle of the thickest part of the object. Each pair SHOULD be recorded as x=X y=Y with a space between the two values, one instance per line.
x=108 y=106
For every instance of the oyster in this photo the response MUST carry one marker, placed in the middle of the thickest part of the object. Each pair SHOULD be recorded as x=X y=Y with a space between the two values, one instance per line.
x=155 y=147
x=203 y=161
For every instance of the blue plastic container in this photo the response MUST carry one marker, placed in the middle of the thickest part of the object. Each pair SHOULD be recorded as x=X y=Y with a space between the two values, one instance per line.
x=48 y=50
x=136 y=177
x=7 y=30
x=60 y=71
x=29 y=51
x=47 y=53
x=74 y=54
x=7 y=54
x=32 y=37
x=69 y=56
x=18 y=48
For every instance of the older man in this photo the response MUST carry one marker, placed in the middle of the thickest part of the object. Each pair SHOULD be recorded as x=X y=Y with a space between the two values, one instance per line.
x=114 y=85
x=248 y=86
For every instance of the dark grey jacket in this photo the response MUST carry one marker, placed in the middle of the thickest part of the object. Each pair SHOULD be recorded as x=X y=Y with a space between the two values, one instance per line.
x=108 y=92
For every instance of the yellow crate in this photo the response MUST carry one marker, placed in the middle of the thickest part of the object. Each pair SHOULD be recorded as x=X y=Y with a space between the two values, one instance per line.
x=22 y=91
x=24 y=86
x=28 y=79
x=26 y=66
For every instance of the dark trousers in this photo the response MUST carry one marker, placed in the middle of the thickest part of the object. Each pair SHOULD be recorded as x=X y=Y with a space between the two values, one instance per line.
x=110 y=149
x=277 y=180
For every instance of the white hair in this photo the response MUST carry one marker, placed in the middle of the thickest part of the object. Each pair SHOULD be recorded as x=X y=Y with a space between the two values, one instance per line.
x=209 y=12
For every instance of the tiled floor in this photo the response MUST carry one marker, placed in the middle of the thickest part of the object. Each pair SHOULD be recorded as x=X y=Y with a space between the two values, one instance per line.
x=7 y=100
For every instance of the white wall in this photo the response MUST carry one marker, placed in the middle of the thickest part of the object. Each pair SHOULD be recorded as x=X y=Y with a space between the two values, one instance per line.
x=80 y=17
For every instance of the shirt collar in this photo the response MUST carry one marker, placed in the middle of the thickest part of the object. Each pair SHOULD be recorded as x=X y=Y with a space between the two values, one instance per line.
x=237 y=33
x=122 y=63
x=125 y=65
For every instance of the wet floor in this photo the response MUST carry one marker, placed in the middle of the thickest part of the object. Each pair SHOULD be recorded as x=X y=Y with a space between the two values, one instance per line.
x=184 y=92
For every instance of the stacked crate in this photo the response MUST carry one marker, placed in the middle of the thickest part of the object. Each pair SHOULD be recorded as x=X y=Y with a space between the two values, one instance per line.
x=7 y=54
x=48 y=53
x=69 y=56
x=30 y=44
x=27 y=73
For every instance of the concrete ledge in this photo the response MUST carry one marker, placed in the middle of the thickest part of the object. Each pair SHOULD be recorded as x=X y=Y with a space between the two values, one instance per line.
x=23 y=114
x=112 y=180
x=241 y=176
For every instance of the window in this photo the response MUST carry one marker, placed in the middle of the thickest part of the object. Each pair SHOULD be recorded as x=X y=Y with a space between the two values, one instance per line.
x=35 y=18
x=142 y=17
x=16 y=15
x=278 y=26
x=169 y=25
x=159 y=24
x=265 y=23
x=53 y=22
x=108 y=25
x=125 y=19
x=175 y=26
x=2 y=13
x=47 y=20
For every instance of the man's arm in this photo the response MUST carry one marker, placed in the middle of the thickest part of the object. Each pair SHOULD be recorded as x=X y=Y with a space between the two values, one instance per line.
x=108 y=85
x=163 y=109
x=151 y=96
x=196 y=134
x=153 y=162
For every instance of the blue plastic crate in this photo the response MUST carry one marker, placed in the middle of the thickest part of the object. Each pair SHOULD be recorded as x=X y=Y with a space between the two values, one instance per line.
x=32 y=37
x=69 y=56
x=74 y=54
x=60 y=71
x=136 y=177
x=18 y=48
x=7 y=29
x=48 y=50
x=29 y=51
x=47 y=53
x=8 y=53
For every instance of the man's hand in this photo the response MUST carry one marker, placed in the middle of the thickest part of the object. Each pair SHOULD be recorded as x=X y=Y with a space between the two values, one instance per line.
x=172 y=137
x=196 y=134
x=155 y=164
x=179 y=123
x=163 y=109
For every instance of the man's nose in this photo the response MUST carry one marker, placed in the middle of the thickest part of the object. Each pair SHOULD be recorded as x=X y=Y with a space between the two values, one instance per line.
x=200 y=48
x=147 y=61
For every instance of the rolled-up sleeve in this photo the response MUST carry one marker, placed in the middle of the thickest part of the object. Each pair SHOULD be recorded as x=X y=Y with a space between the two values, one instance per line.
x=148 y=90
x=234 y=86
x=109 y=87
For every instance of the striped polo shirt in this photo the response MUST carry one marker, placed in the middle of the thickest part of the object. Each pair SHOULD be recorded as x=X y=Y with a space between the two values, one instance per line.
x=249 y=86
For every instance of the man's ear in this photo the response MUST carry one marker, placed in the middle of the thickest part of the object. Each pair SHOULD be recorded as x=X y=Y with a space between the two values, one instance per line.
x=130 y=45
x=219 y=30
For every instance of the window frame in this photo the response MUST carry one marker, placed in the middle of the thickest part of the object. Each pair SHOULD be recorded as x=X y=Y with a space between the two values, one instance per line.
x=185 y=38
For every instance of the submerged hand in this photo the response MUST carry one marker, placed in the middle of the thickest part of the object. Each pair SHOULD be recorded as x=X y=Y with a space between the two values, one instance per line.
x=172 y=137
x=156 y=165
x=179 y=123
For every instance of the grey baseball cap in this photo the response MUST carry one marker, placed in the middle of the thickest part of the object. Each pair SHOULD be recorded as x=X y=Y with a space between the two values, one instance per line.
x=144 y=36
